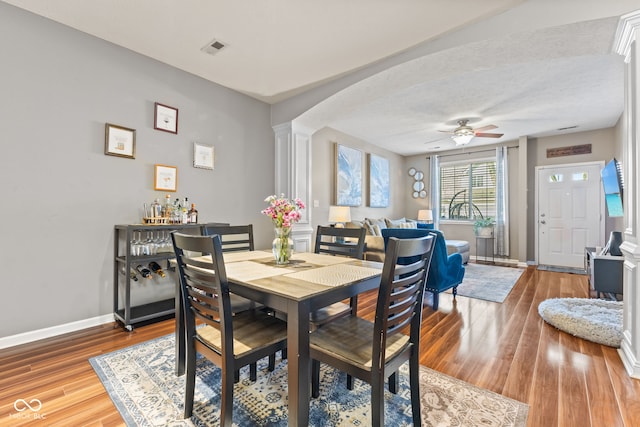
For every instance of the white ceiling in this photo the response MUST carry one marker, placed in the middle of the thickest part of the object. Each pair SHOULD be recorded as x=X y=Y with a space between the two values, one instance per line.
x=529 y=67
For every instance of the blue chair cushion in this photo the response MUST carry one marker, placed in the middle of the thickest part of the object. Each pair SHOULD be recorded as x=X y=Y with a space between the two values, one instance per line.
x=426 y=226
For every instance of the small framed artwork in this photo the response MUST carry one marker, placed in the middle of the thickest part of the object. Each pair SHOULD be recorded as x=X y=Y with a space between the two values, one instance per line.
x=165 y=178
x=119 y=141
x=165 y=118
x=348 y=178
x=378 y=181
x=203 y=156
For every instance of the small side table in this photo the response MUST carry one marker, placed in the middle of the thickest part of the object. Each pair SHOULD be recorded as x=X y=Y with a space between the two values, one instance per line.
x=486 y=242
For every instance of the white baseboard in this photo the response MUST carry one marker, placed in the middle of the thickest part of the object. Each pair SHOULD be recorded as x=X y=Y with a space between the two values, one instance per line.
x=27 y=337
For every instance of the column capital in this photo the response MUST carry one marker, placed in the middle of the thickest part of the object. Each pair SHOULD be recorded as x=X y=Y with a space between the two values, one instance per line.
x=626 y=34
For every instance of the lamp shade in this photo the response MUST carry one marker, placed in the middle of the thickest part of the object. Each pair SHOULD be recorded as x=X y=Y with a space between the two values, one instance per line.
x=339 y=214
x=425 y=215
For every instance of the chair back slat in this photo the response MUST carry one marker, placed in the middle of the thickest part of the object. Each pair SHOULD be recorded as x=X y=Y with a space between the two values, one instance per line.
x=401 y=291
x=348 y=242
x=233 y=238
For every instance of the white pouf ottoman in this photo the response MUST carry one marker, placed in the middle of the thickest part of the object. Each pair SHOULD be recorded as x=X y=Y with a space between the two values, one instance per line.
x=460 y=246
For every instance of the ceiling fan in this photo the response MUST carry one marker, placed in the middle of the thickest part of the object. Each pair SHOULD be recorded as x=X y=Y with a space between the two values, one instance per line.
x=464 y=133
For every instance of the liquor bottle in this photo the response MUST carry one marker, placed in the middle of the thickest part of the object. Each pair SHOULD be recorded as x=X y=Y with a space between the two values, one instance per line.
x=155 y=267
x=185 y=211
x=144 y=271
x=167 y=208
x=177 y=212
x=193 y=214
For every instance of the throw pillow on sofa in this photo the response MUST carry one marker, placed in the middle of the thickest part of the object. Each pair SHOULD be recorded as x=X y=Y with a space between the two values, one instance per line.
x=394 y=223
x=380 y=223
x=360 y=224
x=405 y=225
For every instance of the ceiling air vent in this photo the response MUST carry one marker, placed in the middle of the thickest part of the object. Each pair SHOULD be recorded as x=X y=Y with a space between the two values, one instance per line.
x=213 y=47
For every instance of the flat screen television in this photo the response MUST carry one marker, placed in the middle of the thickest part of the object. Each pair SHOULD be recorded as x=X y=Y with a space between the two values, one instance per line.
x=613 y=187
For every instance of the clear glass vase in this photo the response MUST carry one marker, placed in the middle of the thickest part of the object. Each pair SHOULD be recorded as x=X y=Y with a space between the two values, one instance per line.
x=282 y=245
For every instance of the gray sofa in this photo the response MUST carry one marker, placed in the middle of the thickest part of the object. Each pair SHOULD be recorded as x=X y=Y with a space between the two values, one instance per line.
x=374 y=242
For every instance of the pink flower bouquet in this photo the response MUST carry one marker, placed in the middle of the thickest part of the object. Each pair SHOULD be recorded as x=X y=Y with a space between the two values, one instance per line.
x=282 y=211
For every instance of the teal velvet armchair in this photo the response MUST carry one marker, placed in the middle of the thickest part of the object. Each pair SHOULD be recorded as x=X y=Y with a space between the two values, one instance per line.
x=446 y=271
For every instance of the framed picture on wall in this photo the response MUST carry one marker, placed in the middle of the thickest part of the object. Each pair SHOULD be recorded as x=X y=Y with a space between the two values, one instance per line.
x=119 y=141
x=348 y=176
x=378 y=181
x=165 y=178
x=165 y=118
x=203 y=156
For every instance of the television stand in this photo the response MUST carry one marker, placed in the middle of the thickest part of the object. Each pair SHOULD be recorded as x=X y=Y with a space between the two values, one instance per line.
x=604 y=272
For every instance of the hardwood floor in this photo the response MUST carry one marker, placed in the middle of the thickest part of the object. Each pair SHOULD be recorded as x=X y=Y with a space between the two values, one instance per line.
x=506 y=348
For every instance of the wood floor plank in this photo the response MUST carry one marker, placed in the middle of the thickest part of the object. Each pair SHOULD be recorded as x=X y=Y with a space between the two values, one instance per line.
x=504 y=347
x=603 y=405
x=627 y=389
x=573 y=402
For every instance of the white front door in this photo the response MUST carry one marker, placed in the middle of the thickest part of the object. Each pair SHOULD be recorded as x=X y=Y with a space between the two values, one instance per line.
x=569 y=213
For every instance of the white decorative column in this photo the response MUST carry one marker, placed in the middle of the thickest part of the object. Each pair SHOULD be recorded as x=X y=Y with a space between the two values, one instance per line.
x=293 y=176
x=626 y=44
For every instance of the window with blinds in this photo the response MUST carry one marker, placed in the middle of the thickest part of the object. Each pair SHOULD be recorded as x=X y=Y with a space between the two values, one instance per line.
x=468 y=190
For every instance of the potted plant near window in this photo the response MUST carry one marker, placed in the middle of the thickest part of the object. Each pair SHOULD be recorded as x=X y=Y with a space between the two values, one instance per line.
x=483 y=227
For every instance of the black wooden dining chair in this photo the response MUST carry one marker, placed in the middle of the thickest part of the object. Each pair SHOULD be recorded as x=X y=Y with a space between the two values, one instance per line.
x=347 y=242
x=230 y=341
x=236 y=238
x=233 y=237
x=374 y=351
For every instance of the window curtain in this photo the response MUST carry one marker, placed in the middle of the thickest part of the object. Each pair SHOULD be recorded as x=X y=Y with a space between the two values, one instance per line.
x=434 y=171
x=502 y=203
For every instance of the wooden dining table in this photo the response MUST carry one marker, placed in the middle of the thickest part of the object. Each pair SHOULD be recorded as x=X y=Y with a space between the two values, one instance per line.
x=310 y=281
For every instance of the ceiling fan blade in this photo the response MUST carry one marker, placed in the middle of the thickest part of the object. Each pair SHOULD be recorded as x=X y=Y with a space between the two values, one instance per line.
x=487 y=127
x=488 y=135
x=445 y=131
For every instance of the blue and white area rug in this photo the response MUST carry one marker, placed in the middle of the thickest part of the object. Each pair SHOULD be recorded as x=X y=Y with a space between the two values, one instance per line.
x=488 y=282
x=143 y=386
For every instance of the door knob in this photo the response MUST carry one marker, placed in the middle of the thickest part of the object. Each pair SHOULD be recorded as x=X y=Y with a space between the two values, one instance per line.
x=543 y=222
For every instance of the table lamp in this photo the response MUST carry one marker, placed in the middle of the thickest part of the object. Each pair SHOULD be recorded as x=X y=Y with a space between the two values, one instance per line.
x=425 y=215
x=339 y=215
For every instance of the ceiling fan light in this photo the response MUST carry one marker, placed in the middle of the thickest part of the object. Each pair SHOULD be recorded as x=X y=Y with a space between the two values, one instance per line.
x=462 y=139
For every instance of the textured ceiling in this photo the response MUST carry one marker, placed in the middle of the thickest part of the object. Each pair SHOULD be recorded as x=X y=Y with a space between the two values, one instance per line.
x=532 y=84
x=528 y=67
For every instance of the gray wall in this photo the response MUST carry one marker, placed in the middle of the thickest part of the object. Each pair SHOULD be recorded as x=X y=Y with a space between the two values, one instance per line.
x=323 y=164
x=62 y=196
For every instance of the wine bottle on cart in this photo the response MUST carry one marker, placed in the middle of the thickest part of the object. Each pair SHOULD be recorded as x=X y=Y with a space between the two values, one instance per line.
x=155 y=267
x=132 y=274
x=144 y=271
